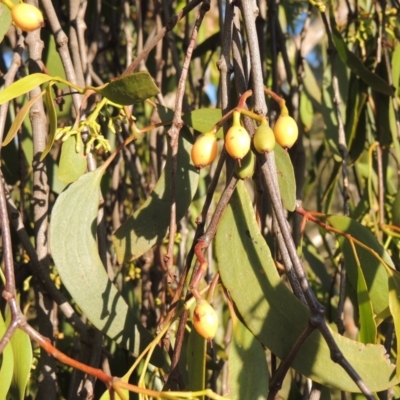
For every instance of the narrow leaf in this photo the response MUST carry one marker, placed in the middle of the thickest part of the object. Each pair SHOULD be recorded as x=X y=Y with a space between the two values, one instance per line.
x=136 y=235
x=374 y=272
x=52 y=113
x=5 y=20
x=286 y=179
x=196 y=359
x=22 y=355
x=275 y=316
x=6 y=363
x=19 y=118
x=74 y=249
x=22 y=86
x=394 y=305
x=129 y=89
x=356 y=65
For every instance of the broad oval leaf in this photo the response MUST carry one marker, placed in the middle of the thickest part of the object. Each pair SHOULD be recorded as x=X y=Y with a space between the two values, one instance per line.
x=74 y=250
x=129 y=89
x=286 y=179
x=247 y=365
x=22 y=86
x=72 y=163
x=149 y=224
x=275 y=316
x=203 y=119
x=6 y=363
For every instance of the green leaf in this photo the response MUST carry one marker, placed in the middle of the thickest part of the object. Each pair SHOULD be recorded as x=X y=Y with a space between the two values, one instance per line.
x=129 y=89
x=5 y=20
x=356 y=65
x=196 y=361
x=286 y=179
x=306 y=111
x=22 y=354
x=6 y=363
x=247 y=365
x=203 y=119
x=136 y=235
x=72 y=164
x=74 y=249
x=275 y=316
x=19 y=118
x=374 y=272
x=394 y=305
x=23 y=85
x=52 y=113
x=396 y=210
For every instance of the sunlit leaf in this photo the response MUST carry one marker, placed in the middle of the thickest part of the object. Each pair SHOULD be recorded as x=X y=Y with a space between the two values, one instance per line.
x=129 y=89
x=149 y=224
x=22 y=354
x=52 y=113
x=203 y=119
x=22 y=86
x=275 y=316
x=19 y=118
x=5 y=20
x=75 y=253
x=6 y=363
x=72 y=164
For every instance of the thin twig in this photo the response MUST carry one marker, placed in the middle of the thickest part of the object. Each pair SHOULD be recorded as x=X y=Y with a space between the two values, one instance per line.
x=174 y=131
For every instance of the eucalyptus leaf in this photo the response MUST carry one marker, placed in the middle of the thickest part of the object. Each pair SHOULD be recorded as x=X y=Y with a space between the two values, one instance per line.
x=74 y=249
x=275 y=316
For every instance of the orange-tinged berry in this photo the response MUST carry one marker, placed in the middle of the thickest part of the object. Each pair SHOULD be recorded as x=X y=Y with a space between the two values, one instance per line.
x=286 y=131
x=237 y=142
x=264 y=139
x=205 y=320
x=27 y=17
x=204 y=150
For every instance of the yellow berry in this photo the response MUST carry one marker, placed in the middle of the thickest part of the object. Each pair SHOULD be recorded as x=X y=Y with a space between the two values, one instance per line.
x=204 y=150
x=205 y=320
x=286 y=131
x=27 y=17
x=237 y=142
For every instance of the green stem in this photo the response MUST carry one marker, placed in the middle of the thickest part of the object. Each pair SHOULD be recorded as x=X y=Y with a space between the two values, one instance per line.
x=8 y=3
